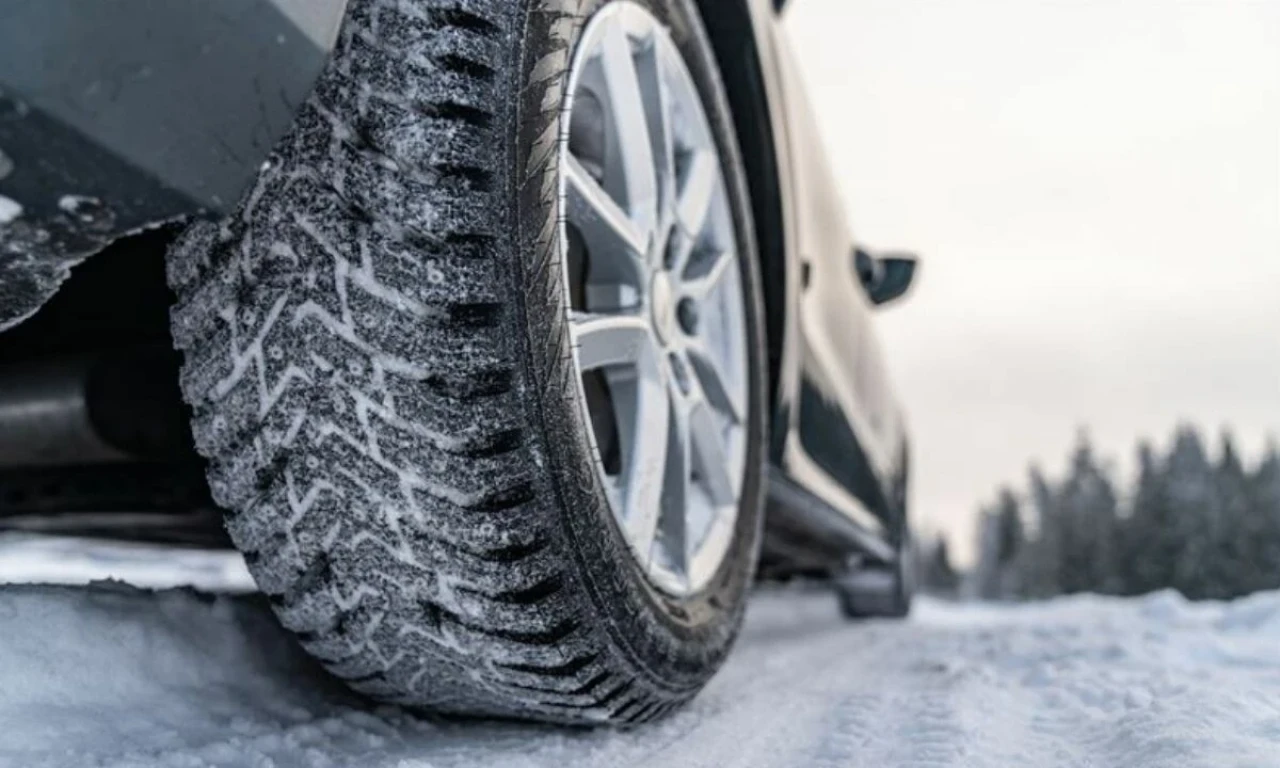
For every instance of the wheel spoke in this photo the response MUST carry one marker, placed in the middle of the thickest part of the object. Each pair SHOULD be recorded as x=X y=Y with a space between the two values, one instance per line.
x=647 y=468
x=603 y=224
x=708 y=454
x=681 y=248
x=704 y=270
x=673 y=525
x=657 y=104
x=724 y=395
x=604 y=340
x=627 y=113
x=696 y=192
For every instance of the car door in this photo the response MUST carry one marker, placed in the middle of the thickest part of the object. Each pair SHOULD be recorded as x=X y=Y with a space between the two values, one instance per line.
x=844 y=442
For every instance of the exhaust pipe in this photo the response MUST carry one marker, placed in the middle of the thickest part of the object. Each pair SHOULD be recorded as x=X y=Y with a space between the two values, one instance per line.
x=122 y=405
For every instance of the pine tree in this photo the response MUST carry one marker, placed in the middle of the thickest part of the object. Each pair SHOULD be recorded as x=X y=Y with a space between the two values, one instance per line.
x=1264 y=513
x=1010 y=541
x=1209 y=529
x=1000 y=541
x=1039 y=567
x=938 y=576
x=1132 y=545
x=1236 y=553
x=1196 y=514
x=1087 y=510
x=1151 y=546
x=984 y=577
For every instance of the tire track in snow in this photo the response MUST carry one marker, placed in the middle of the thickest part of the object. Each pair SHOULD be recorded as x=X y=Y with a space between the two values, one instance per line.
x=112 y=676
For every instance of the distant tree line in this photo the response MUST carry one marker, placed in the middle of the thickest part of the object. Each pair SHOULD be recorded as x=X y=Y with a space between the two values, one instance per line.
x=1207 y=526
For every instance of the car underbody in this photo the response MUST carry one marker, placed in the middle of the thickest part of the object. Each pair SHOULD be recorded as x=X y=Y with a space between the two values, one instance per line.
x=94 y=438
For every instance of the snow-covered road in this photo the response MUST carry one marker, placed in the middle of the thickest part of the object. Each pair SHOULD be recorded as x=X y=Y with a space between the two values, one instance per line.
x=112 y=676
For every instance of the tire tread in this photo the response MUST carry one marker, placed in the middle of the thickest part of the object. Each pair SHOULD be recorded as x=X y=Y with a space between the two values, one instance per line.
x=358 y=391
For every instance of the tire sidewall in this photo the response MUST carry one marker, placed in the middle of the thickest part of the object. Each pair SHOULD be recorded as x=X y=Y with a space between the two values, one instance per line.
x=678 y=641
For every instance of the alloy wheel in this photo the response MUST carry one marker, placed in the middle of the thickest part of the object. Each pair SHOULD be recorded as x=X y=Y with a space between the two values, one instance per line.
x=656 y=304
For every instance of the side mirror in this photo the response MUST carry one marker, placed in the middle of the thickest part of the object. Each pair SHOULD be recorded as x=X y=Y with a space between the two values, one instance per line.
x=886 y=277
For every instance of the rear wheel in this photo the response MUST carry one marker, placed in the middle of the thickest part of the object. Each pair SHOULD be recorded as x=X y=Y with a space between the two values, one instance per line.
x=477 y=364
x=880 y=590
x=883 y=590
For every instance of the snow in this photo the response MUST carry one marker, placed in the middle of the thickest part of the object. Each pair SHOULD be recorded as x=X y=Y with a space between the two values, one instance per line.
x=70 y=560
x=111 y=675
x=86 y=208
x=10 y=210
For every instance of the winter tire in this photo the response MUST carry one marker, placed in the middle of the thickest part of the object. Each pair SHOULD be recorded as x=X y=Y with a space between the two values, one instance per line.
x=427 y=385
x=884 y=591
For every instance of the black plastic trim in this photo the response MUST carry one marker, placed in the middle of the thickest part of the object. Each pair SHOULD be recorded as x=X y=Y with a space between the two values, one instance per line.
x=808 y=515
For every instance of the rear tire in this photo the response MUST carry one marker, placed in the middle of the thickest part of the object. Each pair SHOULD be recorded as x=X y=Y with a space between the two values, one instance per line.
x=884 y=590
x=378 y=361
x=880 y=591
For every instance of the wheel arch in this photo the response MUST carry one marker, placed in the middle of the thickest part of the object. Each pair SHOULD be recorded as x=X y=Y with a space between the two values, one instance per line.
x=150 y=112
x=732 y=28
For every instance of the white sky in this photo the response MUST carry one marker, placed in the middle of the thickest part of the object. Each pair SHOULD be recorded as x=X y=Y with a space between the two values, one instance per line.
x=1095 y=190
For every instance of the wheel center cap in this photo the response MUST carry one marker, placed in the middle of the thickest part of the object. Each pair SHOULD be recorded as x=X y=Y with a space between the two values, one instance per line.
x=662 y=307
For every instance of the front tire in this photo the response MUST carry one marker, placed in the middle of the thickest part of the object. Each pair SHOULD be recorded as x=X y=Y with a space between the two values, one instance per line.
x=379 y=361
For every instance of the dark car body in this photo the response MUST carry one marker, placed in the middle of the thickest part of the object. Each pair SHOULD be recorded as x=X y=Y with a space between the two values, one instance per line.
x=120 y=115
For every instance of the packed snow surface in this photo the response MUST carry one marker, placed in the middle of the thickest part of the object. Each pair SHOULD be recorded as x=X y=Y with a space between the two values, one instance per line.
x=110 y=675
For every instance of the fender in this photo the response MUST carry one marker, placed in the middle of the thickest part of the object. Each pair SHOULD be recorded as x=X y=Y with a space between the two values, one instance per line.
x=740 y=35
x=165 y=109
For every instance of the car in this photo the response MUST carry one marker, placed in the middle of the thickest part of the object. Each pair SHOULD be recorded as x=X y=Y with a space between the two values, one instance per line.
x=518 y=338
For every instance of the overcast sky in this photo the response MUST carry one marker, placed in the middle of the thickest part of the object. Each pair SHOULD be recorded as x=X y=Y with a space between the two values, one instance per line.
x=1095 y=190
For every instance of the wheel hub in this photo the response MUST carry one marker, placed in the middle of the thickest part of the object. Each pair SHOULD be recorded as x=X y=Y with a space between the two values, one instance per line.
x=656 y=306
x=662 y=308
